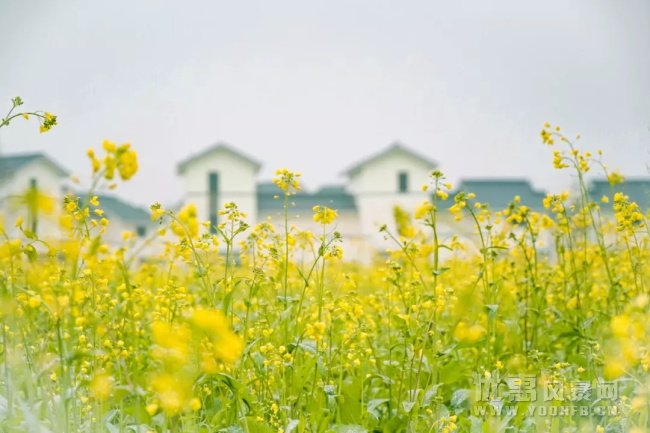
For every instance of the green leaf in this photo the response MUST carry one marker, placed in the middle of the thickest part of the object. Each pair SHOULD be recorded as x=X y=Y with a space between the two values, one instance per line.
x=373 y=406
x=408 y=406
x=30 y=252
x=440 y=271
x=459 y=397
x=492 y=310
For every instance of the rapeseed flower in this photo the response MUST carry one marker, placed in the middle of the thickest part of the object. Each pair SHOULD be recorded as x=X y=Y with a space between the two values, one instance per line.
x=288 y=181
x=324 y=215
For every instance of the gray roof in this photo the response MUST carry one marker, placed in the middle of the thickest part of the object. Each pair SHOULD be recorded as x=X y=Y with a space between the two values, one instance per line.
x=114 y=206
x=396 y=147
x=9 y=164
x=638 y=189
x=182 y=166
x=270 y=199
x=499 y=192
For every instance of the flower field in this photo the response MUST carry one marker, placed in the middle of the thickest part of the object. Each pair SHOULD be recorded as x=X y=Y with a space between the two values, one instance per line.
x=539 y=324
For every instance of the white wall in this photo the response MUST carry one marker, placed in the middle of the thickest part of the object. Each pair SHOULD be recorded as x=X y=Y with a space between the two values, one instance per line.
x=237 y=182
x=376 y=190
x=347 y=224
x=48 y=182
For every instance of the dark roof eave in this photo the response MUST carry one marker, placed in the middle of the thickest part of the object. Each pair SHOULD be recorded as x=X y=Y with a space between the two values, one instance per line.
x=28 y=158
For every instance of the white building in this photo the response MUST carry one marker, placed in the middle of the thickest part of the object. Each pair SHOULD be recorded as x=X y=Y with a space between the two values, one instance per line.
x=392 y=177
x=33 y=185
x=218 y=175
x=365 y=202
x=222 y=174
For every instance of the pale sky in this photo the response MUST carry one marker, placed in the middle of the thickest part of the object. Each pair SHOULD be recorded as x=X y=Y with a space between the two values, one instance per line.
x=316 y=86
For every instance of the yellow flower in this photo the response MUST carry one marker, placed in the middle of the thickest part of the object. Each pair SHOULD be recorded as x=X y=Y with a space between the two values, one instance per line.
x=209 y=320
x=558 y=160
x=109 y=146
x=172 y=342
x=627 y=213
x=334 y=252
x=195 y=404
x=621 y=325
x=47 y=122
x=287 y=181
x=127 y=161
x=403 y=223
x=423 y=210
x=615 y=178
x=613 y=369
x=34 y=302
x=469 y=334
x=101 y=386
x=157 y=211
x=324 y=215
x=172 y=392
x=546 y=134
x=442 y=194
x=152 y=408
x=187 y=222
x=109 y=167
x=228 y=346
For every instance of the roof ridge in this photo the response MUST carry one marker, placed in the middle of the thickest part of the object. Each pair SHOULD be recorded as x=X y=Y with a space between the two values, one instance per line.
x=394 y=145
x=181 y=166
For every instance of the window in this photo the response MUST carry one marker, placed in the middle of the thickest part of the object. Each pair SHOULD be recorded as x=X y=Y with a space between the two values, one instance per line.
x=141 y=231
x=213 y=200
x=32 y=204
x=402 y=181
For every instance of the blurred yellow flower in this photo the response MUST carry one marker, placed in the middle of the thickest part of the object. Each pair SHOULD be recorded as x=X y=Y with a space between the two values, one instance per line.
x=101 y=386
x=324 y=215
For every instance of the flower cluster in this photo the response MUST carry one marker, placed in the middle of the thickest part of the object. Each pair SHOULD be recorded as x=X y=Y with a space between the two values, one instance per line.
x=324 y=215
x=122 y=159
x=627 y=213
x=288 y=181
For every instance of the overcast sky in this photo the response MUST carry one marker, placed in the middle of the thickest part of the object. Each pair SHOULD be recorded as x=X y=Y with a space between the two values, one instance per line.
x=316 y=86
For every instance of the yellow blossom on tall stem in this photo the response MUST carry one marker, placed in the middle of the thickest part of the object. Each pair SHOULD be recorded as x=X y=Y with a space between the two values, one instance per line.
x=186 y=223
x=423 y=209
x=324 y=215
x=288 y=181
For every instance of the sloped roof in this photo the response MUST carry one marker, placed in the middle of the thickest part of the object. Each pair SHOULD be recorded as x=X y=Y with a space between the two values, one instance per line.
x=10 y=164
x=638 y=189
x=116 y=207
x=499 y=192
x=333 y=196
x=396 y=147
x=182 y=166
